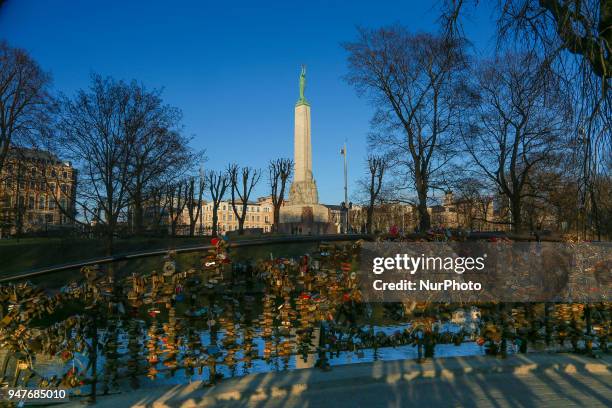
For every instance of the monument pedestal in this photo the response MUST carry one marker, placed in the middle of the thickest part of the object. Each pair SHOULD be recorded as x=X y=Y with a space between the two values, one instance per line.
x=305 y=219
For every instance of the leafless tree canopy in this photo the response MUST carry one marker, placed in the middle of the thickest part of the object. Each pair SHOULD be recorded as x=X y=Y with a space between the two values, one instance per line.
x=242 y=181
x=377 y=166
x=125 y=144
x=94 y=135
x=575 y=36
x=582 y=27
x=177 y=195
x=410 y=80
x=24 y=99
x=514 y=123
x=279 y=174
x=195 y=193
x=160 y=151
x=217 y=183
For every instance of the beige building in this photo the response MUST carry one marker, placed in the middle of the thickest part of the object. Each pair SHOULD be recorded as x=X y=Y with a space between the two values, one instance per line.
x=259 y=216
x=385 y=216
x=37 y=192
x=474 y=214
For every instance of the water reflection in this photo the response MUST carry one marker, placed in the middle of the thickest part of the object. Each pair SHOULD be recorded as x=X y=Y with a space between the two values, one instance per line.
x=224 y=319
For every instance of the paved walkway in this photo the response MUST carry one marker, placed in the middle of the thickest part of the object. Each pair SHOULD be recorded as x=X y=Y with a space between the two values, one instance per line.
x=519 y=381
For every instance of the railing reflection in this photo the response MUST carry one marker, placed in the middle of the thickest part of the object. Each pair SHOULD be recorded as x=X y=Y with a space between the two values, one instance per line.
x=223 y=318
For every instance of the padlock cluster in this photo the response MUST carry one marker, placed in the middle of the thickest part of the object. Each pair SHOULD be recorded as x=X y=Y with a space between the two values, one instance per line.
x=195 y=319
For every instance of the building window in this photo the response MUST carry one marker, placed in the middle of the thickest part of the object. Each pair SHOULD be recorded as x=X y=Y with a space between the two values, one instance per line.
x=53 y=173
x=49 y=218
x=64 y=188
x=65 y=175
x=31 y=202
x=41 y=202
x=63 y=203
x=51 y=204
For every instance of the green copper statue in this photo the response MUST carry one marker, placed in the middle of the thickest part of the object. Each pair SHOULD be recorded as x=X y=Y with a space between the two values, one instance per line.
x=302 y=99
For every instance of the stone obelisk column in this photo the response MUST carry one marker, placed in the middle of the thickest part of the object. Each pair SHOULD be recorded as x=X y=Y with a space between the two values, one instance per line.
x=303 y=189
x=302 y=143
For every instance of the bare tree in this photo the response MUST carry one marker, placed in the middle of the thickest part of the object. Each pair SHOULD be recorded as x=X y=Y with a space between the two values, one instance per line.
x=242 y=182
x=177 y=195
x=158 y=205
x=24 y=99
x=377 y=166
x=93 y=134
x=217 y=183
x=582 y=27
x=195 y=193
x=474 y=203
x=515 y=123
x=409 y=78
x=575 y=36
x=279 y=173
x=160 y=151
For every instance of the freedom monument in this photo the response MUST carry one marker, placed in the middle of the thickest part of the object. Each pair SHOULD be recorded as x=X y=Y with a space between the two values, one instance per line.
x=303 y=214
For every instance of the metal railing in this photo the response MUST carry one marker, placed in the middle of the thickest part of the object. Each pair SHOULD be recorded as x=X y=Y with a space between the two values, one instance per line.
x=34 y=273
x=289 y=239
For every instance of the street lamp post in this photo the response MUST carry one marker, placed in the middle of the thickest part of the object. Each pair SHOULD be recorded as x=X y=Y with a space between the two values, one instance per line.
x=346 y=202
x=202 y=176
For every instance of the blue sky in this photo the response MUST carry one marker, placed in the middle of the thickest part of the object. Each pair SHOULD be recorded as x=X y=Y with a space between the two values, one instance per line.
x=232 y=67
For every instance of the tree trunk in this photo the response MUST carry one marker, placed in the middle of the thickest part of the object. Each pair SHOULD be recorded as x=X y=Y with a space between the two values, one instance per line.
x=138 y=217
x=515 y=208
x=424 y=219
x=109 y=239
x=276 y=217
x=370 y=216
x=215 y=220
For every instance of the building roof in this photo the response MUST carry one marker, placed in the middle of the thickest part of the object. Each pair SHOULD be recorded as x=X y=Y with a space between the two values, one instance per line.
x=33 y=155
